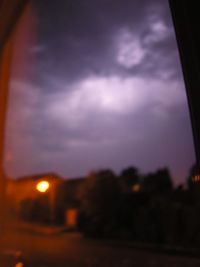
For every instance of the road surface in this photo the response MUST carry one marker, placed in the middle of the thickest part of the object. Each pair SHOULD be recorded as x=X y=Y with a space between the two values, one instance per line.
x=71 y=249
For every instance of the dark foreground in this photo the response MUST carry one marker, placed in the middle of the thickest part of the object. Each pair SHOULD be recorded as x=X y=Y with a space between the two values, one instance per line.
x=71 y=249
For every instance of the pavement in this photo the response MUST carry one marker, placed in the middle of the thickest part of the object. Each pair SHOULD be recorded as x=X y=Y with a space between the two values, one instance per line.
x=50 y=247
x=40 y=229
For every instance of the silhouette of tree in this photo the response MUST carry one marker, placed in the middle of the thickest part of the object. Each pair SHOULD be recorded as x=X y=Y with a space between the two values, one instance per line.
x=99 y=197
x=158 y=182
x=129 y=177
x=35 y=210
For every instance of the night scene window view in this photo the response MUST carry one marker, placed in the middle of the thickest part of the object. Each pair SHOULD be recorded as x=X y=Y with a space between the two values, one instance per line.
x=97 y=157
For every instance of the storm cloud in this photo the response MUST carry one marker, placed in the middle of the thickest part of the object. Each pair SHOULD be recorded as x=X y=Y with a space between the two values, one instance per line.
x=104 y=88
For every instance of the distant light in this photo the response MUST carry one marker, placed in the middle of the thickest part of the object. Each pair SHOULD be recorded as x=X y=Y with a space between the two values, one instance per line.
x=42 y=186
x=196 y=178
x=136 y=187
x=19 y=264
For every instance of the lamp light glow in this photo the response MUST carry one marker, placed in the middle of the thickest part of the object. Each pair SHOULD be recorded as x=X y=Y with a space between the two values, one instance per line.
x=42 y=186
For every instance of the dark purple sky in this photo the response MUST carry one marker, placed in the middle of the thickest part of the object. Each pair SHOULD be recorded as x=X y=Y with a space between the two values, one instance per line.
x=97 y=84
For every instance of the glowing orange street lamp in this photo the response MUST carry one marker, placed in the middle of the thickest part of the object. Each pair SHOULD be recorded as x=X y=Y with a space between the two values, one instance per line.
x=42 y=186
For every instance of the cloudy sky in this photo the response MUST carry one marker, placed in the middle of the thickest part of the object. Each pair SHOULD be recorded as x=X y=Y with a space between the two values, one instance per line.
x=97 y=84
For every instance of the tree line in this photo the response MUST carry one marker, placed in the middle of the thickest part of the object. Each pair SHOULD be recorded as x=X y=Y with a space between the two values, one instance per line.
x=144 y=208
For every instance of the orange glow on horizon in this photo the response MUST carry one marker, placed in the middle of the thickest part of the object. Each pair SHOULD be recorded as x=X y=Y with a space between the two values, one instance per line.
x=42 y=186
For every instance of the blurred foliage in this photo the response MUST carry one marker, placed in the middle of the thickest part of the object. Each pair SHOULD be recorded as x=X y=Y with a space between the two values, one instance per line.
x=35 y=210
x=99 y=196
x=158 y=182
x=108 y=207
